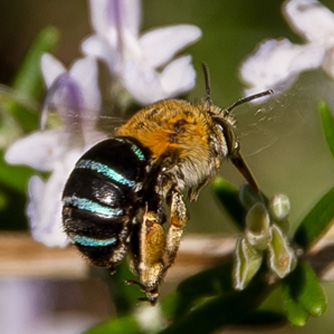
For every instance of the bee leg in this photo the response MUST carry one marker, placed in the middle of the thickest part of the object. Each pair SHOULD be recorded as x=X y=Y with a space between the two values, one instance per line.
x=194 y=192
x=152 y=240
x=178 y=219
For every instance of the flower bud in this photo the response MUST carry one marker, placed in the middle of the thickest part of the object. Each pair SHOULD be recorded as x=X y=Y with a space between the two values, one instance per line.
x=257 y=226
x=282 y=258
x=247 y=263
x=279 y=207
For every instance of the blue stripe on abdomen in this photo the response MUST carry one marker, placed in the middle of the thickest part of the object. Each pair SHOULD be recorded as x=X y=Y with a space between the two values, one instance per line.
x=92 y=242
x=135 y=149
x=105 y=170
x=88 y=205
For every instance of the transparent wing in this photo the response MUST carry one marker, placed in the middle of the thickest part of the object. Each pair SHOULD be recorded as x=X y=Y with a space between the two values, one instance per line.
x=260 y=126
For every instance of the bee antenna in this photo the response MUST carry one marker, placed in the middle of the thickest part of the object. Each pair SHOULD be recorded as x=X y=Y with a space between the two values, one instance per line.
x=207 y=81
x=249 y=98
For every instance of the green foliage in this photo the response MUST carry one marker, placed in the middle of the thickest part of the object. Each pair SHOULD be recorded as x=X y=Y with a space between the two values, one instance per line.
x=303 y=295
x=120 y=325
x=316 y=222
x=229 y=195
x=327 y=123
x=28 y=81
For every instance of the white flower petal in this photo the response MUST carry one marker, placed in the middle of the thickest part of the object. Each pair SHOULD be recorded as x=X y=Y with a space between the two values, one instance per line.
x=131 y=15
x=277 y=63
x=45 y=222
x=39 y=150
x=178 y=77
x=113 y=16
x=45 y=206
x=99 y=15
x=143 y=84
x=51 y=68
x=160 y=45
x=98 y=47
x=85 y=73
x=311 y=19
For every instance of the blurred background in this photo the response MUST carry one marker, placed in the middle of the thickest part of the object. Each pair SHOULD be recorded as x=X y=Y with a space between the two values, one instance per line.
x=282 y=143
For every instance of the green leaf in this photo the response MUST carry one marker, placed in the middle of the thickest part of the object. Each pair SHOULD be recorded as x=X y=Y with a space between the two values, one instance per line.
x=17 y=114
x=327 y=123
x=303 y=294
x=125 y=296
x=295 y=312
x=15 y=177
x=230 y=308
x=121 y=325
x=28 y=81
x=310 y=293
x=228 y=196
x=208 y=283
x=316 y=222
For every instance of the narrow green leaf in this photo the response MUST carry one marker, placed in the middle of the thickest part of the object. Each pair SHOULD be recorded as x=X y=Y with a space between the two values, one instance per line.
x=327 y=123
x=303 y=294
x=311 y=295
x=121 y=325
x=231 y=308
x=15 y=177
x=211 y=282
x=228 y=196
x=125 y=296
x=295 y=312
x=28 y=81
x=316 y=222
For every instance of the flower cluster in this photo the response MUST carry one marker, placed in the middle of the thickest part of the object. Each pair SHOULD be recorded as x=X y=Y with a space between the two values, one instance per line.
x=265 y=234
x=142 y=64
x=276 y=64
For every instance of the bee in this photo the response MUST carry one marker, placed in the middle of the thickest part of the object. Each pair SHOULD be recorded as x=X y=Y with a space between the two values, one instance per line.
x=123 y=190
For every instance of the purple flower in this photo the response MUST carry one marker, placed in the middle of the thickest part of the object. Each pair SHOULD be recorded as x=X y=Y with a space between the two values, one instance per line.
x=277 y=64
x=143 y=63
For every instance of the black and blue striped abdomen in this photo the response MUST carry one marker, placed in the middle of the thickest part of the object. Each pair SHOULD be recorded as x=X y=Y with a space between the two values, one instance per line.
x=101 y=198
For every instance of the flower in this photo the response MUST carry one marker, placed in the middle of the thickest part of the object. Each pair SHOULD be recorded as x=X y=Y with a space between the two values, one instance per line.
x=73 y=93
x=142 y=63
x=276 y=64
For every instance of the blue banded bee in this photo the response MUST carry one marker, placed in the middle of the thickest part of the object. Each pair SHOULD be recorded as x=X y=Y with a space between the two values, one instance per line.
x=123 y=190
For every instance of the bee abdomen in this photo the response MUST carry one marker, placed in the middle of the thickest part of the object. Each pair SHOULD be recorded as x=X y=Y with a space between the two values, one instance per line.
x=101 y=197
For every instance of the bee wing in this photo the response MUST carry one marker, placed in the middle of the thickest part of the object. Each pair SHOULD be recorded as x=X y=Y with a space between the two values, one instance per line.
x=262 y=125
x=74 y=118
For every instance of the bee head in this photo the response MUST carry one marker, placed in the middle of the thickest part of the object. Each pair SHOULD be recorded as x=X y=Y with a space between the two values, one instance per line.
x=223 y=117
